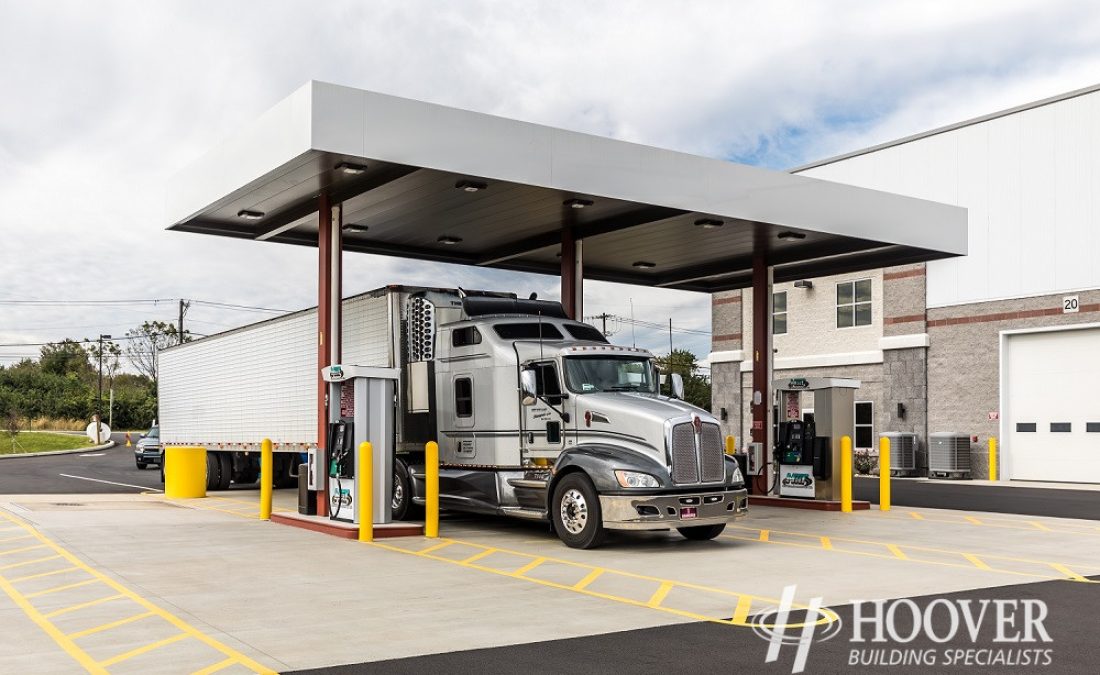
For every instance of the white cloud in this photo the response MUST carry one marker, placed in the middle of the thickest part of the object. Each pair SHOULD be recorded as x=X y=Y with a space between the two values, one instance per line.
x=104 y=101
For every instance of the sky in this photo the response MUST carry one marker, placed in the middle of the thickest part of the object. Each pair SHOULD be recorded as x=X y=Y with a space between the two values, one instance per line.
x=104 y=101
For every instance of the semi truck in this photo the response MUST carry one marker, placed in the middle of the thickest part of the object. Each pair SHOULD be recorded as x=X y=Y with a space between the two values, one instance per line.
x=536 y=415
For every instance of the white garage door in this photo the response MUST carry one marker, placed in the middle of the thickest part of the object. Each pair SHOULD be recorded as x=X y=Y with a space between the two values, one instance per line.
x=1052 y=396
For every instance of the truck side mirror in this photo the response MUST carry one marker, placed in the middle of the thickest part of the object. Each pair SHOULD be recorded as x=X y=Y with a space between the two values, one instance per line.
x=528 y=386
x=677 y=385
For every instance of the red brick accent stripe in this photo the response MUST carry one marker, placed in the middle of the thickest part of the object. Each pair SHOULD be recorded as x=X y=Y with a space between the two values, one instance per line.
x=915 y=272
x=726 y=336
x=1007 y=316
x=726 y=301
x=890 y=320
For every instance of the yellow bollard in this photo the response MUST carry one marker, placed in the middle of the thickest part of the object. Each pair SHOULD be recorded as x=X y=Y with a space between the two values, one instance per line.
x=992 y=458
x=846 y=474
x=366 y=491
x=184 y=472
x=731 y=444
x=884 y=474
x=267 y=477
x=431 y=489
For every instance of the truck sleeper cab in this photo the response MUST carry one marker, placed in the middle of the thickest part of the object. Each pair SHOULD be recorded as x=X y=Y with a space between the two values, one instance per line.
x=537 y=416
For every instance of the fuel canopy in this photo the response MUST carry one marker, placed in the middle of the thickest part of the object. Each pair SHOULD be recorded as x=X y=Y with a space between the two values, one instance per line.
x=429 y=182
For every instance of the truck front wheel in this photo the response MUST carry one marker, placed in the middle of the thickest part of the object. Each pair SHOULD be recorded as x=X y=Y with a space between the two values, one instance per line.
x=575 y=510
x=703 y=532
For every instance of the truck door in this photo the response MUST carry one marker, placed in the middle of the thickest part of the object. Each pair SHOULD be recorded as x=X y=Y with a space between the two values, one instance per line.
x=543 y=430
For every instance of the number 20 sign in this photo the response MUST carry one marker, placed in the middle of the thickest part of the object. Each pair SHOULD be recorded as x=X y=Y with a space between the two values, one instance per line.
x=1070 y=304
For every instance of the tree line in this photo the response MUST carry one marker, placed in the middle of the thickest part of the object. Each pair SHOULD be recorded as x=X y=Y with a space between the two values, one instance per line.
x=62 y=384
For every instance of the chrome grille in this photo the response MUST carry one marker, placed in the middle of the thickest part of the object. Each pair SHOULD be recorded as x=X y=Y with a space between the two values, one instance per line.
x=685 y=461
x=710 y=454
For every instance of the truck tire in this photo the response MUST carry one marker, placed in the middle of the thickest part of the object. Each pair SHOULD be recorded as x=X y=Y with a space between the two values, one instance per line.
x=703 y=532
x=213 y=471
x=225 y=478
x=142 y=465
x=575 y=510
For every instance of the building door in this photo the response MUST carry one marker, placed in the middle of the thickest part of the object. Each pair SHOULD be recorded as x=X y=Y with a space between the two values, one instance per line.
x=1052 y=406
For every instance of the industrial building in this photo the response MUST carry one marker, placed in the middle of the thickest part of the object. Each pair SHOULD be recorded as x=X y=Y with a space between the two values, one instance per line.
x=1004 y=342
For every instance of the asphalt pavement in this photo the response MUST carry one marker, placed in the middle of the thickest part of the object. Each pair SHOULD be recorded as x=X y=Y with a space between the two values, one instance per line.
x=94 y=472
x=966 y=496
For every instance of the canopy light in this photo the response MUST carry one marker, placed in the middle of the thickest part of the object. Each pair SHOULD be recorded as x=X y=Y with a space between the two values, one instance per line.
x=250 y=215
x=804 y=283
x=449 y=241
x=577 y=203
x=351 y=169
x=791 y=235
x=709 y=223
x=352 y=227
x=470 y=185
x=643 y=265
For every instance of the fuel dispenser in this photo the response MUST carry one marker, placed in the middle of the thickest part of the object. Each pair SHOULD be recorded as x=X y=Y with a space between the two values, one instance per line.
x=362 y=406
x=807 y=448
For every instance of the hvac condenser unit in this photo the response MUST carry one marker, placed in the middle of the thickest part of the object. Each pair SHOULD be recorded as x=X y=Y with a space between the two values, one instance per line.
x=903 y=453
x=949 y=455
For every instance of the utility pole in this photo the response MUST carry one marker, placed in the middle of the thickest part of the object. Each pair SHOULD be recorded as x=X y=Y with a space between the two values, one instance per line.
x=99 y=398
x=184 y=304
x=670 y=341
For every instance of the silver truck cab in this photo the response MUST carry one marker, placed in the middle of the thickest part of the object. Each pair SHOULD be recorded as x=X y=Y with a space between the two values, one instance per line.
x=537 y=416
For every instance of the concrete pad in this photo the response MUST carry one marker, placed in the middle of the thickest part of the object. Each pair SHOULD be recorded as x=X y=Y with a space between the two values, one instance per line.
x=277 y=593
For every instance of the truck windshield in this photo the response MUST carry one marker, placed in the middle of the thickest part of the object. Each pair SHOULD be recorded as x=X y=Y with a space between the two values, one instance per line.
x=586 y=374
x=154 y=432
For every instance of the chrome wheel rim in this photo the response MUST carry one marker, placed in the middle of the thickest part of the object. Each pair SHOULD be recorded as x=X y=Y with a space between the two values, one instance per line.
x=398 y=494
x=574 y=511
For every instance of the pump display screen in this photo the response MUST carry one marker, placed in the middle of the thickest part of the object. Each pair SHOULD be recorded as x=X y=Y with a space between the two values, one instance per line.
x=589 y=374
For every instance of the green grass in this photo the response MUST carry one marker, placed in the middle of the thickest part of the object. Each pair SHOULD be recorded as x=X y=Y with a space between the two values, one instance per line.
x=41 y=442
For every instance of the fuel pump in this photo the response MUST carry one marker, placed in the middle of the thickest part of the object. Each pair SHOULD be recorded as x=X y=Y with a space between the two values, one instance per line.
x=362 y=407
x=806 y=450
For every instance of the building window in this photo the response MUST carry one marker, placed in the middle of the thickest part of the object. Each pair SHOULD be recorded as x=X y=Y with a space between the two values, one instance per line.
x=865 y=426
x=464 y=397
x=779 y=313
x=853 y=303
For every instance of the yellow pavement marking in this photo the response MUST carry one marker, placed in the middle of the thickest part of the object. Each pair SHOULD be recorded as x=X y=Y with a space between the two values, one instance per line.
x=990 y=520
x=905 y=552
x=43 y=574
x=442 y=544
x=23 y=601
x=22 y=536
x=764 y=535
x=90 y=603
x=828 y=616
x=143 y=649
x=916 y=515
x=892 y=548
x=28 y=562
x=588 y=579
x=1070 y=573
x=1037 y=525
x=478 y=556
x=741 y=612
x=25 y=548
x=109 y=626
x=57 y=589
x=528 y=567
x=215 y=668
x=973 y=520
x=976 y=561
x=659 y=595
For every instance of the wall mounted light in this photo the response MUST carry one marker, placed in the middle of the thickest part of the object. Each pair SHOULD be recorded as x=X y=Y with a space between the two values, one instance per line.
x=804 y=283
x=470 y=185
x=351 y=169
x=250 y=215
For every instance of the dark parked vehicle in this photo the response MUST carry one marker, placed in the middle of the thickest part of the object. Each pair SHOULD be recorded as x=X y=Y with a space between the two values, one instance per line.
x=148 y=448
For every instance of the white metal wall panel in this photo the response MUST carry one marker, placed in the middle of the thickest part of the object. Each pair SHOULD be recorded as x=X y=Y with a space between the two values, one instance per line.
x=1050 y=377
x=1028 y=180
x=261 y=381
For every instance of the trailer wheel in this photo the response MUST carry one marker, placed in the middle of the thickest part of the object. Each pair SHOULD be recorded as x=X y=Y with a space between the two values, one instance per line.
x=703 y=532
x=226 y=475
x=575 y=511
x=215 y=470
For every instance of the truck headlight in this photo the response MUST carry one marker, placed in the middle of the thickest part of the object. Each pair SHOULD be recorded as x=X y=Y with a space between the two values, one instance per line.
x=737 y=477
x=636 y=479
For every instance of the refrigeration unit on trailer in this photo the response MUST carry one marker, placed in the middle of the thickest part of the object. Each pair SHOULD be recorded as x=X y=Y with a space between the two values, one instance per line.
x=536 y=415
